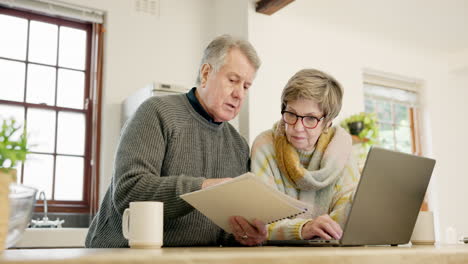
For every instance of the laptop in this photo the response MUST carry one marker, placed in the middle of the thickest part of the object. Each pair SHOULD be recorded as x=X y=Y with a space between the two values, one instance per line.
x=386 y=203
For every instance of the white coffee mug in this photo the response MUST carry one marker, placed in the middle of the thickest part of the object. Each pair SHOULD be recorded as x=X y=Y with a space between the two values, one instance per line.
x=142 y=224
x=423 y=232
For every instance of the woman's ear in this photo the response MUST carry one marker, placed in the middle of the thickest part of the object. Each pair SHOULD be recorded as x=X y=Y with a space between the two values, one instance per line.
x=327 y=127
x=204 y=73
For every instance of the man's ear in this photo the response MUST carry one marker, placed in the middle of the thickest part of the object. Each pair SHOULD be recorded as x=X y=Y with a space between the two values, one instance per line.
x=204 y=73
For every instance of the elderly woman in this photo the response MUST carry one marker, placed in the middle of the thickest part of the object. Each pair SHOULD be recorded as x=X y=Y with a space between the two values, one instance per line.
x=308 y=159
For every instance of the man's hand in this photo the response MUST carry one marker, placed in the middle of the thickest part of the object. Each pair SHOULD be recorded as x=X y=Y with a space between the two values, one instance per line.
x=210 y=182
x=248 y=234
x=322 y=226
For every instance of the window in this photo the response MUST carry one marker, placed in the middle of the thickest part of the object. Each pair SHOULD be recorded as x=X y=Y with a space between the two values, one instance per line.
x=397 y=114
x=395 y=101
x=46 y=64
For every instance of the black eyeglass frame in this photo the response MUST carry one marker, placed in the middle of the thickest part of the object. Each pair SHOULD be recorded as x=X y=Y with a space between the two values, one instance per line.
x=302 y=119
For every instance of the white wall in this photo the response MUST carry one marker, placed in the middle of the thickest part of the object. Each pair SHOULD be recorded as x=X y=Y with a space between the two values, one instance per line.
x=458 y=61
x=231 y=17
x=450 y=146
x=140 y=49
x=287 y=42
x=290 y=43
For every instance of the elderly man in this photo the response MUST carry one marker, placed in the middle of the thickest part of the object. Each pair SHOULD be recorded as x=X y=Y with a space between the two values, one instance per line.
x=181 y=143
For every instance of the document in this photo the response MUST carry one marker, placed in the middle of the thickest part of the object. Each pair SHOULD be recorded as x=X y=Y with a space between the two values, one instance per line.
x=246 y=196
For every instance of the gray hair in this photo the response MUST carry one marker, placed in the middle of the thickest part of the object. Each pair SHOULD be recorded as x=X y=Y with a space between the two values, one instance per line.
x=215 y=53
x=315 y=85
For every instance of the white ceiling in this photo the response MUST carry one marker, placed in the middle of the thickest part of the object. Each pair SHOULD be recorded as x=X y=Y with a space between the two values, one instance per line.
x=441 y=25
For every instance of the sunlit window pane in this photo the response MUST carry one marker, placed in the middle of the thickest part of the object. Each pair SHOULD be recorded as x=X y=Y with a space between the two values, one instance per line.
x=369 y=105
x=70 y=87
x=403 y=135
x=69 y=178
x=71 y=133
x=384 y=111
x=386 y=136
x=15 y=112
x=38 y=172
x=41 y=84
x=394 y=108
x=72 y=47
x=41 y=129
x=14 y=32
x=10 y=111
x=11 y=80
x=401 y=115
x=43 y=42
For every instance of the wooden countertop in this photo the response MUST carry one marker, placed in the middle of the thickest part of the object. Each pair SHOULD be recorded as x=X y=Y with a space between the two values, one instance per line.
x=323 y=255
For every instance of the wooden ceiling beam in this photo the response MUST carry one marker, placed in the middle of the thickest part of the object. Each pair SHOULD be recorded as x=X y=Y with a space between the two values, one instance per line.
x=268 y=7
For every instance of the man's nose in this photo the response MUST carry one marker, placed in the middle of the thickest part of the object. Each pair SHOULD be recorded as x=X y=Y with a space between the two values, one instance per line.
x=239 y=91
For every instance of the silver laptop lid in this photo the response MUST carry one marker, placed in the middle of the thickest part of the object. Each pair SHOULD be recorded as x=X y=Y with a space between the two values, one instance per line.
x=388 y=198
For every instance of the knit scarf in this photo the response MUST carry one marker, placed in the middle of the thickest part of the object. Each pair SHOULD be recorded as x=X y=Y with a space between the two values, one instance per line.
x=332 y=151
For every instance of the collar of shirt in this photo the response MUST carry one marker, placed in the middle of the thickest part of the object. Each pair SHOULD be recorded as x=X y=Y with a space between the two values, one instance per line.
x=198 y=107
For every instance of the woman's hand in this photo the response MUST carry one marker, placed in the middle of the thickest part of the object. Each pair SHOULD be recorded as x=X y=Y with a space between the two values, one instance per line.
x=322 y=226
x=248 y=234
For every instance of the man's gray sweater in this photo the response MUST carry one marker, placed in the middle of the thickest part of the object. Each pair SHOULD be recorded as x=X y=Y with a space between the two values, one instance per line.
x=167 y=149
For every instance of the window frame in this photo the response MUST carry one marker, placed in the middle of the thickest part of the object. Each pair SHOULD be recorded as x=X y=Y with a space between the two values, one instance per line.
x=92 y=106
x=412 y=118
x=398 y=82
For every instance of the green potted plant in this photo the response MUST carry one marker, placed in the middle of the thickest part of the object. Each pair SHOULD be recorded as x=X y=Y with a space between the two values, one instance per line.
x=12 y=151
x=363 y=126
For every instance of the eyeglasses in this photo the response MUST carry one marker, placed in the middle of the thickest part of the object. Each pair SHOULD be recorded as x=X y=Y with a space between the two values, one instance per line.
x=309 y=122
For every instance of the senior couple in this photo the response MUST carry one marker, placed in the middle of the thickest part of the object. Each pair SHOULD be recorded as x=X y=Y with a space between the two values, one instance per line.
x=182 y=143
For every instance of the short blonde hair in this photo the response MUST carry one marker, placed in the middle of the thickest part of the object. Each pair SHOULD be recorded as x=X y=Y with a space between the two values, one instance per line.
x=315 y=85
x=215 y=53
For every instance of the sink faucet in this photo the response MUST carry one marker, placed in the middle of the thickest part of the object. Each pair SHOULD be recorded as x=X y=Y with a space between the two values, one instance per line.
x=45 y=222
x=43 y=197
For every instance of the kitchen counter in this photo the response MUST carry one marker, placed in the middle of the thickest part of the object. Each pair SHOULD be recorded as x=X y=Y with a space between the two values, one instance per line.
x=323 y=255
x=53 y=238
